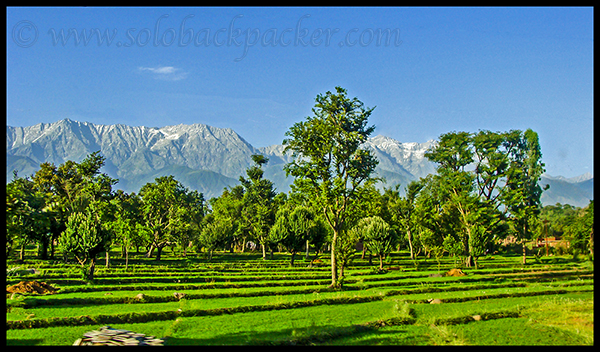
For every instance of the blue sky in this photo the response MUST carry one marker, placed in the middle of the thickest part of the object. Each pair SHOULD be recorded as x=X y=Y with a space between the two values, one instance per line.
x=428 y=71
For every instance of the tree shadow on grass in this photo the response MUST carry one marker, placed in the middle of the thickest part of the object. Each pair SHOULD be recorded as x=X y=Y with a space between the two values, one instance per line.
x=403 y=337
x=23 y=342
x=293 y=336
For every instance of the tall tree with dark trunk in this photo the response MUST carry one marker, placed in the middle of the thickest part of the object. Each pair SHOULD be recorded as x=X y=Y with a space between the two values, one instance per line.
x=329 y=164
x=523 y=191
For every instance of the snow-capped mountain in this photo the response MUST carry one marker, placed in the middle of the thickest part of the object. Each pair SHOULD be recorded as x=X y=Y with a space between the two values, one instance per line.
x=133 y=150
x=133 y=153
x=203 y=157
x=407 y=160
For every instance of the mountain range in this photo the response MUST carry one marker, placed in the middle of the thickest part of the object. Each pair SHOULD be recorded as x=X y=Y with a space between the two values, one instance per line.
x=210 y=159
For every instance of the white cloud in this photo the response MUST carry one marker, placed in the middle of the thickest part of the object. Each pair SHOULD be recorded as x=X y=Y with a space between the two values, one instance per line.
x=166 y=73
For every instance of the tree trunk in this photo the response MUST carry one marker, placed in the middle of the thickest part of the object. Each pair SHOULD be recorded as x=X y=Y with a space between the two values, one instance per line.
x=334 y=278
x=306 y=257
x=380 y=262
x=293 y=256
x=43 y=249
x=51 y=248
x=524 y=247
x=412 y=255
x=469 y=261
x=341 y=273
x=149 y=253
x=159 y=252
x=107 y=258
x=89 y=275
x=264 y=251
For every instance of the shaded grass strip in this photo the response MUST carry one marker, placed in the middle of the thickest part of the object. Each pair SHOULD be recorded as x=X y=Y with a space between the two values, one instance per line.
x=171 y=315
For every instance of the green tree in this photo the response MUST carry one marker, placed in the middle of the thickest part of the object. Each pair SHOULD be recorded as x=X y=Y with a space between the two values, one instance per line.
x=453 y=154
x=168 y=210
x=230 y=205
x=127 y=224
x=503 y=184
x=329 y=164
x=580 y=231
x=215 y=233
x=320 y=233
x=69 y=188
x=51 y=181
x=293 y=228
x=259 y=206
x=378 y=237
x=346 y=250
x=28 y=217
x=405 y=209
x=189 y=217
x=86 y=236
x=435 y=224
x=523 y=192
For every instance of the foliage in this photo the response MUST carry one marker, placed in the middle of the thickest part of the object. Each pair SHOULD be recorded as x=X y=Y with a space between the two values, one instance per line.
x=329 y=165
x=170 y=211
x=485 y=188
x=294 y=228
x=580 y=231
x=229 y=206
x=502 y=188
x=377 y=237
x=215 y=233
x=28 y=218
x=127 y=225
x=88 y=199
x=259 y=205
x=570 y=223
x=85 y=237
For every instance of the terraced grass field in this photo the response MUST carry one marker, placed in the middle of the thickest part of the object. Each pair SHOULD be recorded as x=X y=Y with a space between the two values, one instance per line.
x=239 y=299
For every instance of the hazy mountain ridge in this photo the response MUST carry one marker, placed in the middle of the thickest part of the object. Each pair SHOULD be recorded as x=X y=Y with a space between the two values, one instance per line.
x=567 y=192
x=209 y=159
x=577 y=179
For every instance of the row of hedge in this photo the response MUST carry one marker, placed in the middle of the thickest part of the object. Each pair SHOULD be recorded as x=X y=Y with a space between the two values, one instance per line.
x=171 y=315
x=38 y=302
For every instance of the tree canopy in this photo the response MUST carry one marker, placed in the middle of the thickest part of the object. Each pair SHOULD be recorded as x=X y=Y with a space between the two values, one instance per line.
x=329 y=164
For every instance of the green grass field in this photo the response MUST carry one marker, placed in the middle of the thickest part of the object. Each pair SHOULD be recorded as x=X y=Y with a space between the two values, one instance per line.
x=239 y=299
